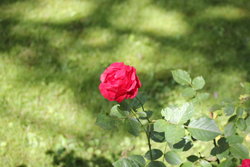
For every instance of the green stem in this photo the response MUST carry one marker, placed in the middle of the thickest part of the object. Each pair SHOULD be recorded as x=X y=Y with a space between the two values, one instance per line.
x=149 y=143
x=134 y=113
x=148 y=132
x=142 y=108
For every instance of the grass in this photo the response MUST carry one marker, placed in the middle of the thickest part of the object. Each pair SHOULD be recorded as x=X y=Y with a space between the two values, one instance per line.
x=52 y=53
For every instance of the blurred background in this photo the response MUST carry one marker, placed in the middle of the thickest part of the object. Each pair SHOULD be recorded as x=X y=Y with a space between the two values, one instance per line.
x=52 y=53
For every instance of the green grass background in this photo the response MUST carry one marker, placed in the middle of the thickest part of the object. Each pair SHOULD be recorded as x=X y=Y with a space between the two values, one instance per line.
x=52 y=53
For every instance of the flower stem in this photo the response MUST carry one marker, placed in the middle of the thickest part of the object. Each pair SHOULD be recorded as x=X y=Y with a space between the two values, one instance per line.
x=149 y=143
x=148 y=132
x=134 y=113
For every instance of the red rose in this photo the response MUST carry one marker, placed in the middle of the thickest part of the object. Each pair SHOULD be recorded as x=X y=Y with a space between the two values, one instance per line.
x=119 y=82
x=245 y=163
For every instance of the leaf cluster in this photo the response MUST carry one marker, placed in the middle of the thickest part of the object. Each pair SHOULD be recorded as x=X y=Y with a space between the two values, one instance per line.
x=179 y=130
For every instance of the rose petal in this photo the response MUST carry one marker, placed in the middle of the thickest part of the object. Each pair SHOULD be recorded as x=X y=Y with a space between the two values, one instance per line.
x=119 y=82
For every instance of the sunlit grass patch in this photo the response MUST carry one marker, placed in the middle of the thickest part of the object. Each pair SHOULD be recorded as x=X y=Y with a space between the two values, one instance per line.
x=97 y=37
x=151 y=19
x=226 y=12
x=50 y=11
x=164 y=23
x=58 y=11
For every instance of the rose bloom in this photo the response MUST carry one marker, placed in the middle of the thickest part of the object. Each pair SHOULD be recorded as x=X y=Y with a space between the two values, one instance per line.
x=245 y=163
x=119 y=82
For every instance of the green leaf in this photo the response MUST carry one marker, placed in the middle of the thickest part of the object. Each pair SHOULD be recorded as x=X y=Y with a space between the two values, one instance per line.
x=158 y=137
x=229 y=129
x=239 y=112
x=131 y=161
x=188 y=92
x=220 y=148
x=116 y=112
x=180 y=144
x=178 y=115
x=138 y=101
x=188 y=146
x=235 y=139
x=174 y=133
x=184 y=144
x=156 y=154
x=156 y=164
x=223 y=145
x=222 y=141
x=239 y=151
x=223 y=155
x=160 y=125
x=106 y=122
x=138 y=159
x=248 y=124
x=192 y=158
x=181 y=77
x=200 y=97
x=241 y=124
x=124 y=106
x=229 y=110
x=198 y=83
x=141 y=114
x=187 y=164
x=133 y=126
x=204 y=129
x=125 y=163
x=173 y=158
x=204 y=163
x=232 y=118
x=215 y=107
x=227 y=163
x=147 y=116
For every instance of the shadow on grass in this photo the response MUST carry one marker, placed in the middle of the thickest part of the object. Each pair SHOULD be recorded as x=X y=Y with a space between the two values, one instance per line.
x=7 y=2
x=64 y=158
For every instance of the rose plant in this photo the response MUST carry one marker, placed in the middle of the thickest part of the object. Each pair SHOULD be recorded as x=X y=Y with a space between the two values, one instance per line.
x=178 y=127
